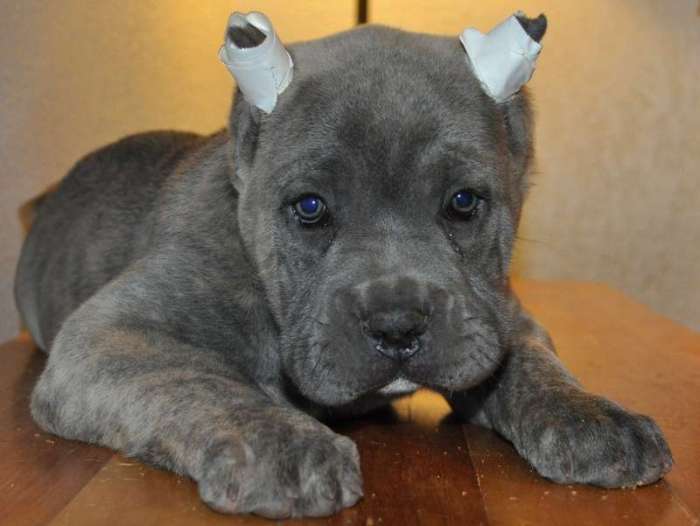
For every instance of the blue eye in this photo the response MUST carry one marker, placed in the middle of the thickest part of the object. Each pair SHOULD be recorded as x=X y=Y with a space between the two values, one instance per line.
x=310 y=209
x=464 y=202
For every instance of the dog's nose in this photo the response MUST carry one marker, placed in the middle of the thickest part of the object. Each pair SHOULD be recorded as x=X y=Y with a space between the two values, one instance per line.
x=396 y=334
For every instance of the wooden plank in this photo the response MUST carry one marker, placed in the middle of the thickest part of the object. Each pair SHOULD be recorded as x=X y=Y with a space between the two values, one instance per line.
x=39 y=473
x=416 y=469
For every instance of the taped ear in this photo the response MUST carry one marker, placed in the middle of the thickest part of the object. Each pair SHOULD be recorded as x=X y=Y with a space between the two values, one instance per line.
x=504 y=58
x=255 y=56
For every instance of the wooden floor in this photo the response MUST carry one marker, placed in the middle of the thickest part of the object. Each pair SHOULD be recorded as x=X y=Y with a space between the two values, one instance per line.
x=418 y=468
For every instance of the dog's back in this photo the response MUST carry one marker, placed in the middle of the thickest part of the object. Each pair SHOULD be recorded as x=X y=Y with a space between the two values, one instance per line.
x=91 y=226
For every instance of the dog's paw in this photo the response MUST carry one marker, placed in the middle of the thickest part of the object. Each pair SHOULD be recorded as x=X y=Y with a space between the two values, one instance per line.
x=591 y=440
x=299 y=474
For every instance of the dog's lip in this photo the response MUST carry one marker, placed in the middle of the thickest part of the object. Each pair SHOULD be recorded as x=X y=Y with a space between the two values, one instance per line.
x=399 y=386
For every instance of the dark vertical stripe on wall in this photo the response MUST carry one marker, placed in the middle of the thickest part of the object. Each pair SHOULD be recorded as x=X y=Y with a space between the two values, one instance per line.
x=361 y=12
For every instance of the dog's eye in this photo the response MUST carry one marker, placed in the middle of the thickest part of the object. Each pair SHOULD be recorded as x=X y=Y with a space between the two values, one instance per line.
x=464 y=203
x=310 y=209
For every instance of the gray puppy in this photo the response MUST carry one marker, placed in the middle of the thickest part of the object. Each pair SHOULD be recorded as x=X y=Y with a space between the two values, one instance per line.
x=206 y=300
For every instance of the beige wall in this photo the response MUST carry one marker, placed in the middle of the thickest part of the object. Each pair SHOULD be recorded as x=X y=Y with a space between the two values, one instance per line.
x=617 y=185
x=617 y=196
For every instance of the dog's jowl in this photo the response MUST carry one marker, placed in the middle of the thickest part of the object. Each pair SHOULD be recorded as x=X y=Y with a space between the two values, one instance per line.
x=205 y=300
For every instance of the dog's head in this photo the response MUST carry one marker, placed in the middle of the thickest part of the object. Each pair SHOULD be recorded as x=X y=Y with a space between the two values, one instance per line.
x=379 y=202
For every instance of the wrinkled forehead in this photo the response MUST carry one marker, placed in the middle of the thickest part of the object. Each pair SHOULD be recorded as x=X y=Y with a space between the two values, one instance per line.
x=378 y=92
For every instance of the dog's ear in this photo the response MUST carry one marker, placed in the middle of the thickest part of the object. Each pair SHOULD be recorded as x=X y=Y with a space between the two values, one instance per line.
x=517 y=112
x=244 y=126
x=263 y=68
x=503 y=60
x=518 y=121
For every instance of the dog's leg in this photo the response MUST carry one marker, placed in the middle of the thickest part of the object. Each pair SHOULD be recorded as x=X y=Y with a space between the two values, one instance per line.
x=567 y=434
x=114 y=381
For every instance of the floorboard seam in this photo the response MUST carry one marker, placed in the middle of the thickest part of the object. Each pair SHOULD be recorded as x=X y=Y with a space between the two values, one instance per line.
x=473 y=462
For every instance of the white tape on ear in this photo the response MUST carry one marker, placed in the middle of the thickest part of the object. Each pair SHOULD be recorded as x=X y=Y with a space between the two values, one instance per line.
x=262 y=71
x=503 y=59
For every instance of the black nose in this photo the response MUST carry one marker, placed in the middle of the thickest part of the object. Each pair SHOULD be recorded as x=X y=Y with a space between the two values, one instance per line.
x=396 y=334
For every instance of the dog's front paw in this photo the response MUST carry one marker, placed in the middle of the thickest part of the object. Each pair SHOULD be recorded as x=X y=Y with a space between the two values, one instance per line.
x=295 y=474
x=590 y=440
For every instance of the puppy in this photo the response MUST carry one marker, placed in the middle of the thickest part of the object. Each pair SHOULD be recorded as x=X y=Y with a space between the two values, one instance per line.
x=206 y=300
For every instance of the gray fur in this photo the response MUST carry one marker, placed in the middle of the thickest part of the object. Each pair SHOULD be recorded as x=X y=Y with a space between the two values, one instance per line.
x=192 y=322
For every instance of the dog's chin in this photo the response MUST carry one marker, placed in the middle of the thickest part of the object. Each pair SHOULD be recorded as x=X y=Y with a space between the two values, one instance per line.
x=392 y=383
x=343 y=393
